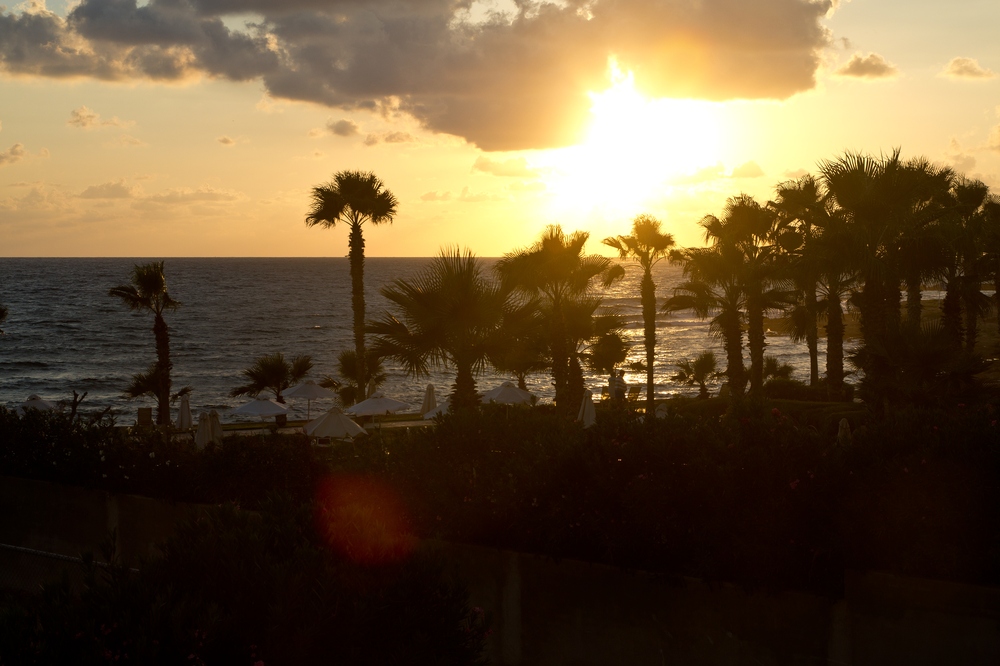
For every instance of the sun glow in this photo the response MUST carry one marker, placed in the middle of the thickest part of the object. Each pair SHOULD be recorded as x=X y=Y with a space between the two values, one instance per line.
x=634 y=147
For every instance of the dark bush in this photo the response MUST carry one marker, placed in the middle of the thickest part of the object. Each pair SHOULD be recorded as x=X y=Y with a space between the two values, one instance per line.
x=235 y=587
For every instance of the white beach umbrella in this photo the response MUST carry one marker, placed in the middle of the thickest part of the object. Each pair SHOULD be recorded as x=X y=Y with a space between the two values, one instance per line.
x=429 y=402
x=184 y=421
x=34 y=402
x=261 y=407
x=215 y=431
x=507 y=394
x=376 y=405
x=334 y=424
x=442 y=407
x=203 y=435
x=587 y=415
x=309 y=390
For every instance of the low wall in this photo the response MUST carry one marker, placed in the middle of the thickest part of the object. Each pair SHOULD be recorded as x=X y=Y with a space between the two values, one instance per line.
x=547 y=612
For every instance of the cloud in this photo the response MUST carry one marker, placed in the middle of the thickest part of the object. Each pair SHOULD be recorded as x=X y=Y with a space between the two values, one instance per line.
x=434 y=196
x=993 y=142
x=967 y=68
x=226 y=141
x=795 y=173
x=389 y=137
x=116 y=189
x=748 y=170
x=343 y=127
x=185 y=196
x=85 y=118
x=510 y=81
x=127 y=140
x=13 y=154
x=871 y=66
x=516 y=167
x=963 y=163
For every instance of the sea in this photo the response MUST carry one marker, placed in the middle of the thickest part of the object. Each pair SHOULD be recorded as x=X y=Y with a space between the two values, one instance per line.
x=64 y=333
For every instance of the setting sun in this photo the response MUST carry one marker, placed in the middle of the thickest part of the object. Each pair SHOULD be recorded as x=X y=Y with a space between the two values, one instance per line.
x=634 y=145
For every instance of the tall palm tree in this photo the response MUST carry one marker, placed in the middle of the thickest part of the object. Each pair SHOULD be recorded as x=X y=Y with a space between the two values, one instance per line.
x=713 y=289
x=802 y=213
x=272 y=372
x=556 y=272
x=646 y=245
x=745 y=229
x=354 y=197
x=147 y=292
x=448 y=315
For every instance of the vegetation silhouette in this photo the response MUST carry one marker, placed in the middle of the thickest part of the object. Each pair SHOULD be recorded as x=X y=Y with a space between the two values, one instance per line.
x=272 y=372
x=354 y=197
x=556 y=273
x=452 y=315
x=147 y=292
x=646 y=245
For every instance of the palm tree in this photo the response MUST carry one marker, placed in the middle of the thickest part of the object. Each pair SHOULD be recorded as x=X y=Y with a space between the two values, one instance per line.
x=354 y=197
x=348 y=390
x=802 y=212
x=556 y=272
x=745 y=229
x=272 y=372
x=699 y=372
x=713 y=289
x=147 y=292
x=449 y=315
x=647 y=245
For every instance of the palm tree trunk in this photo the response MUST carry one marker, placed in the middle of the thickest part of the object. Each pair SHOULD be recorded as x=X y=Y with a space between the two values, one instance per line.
x=574 y=388
x=356 y=255
x=755 y=340
x=951 y=311
x=463 y=395
x=163 y=367
x=914 y=305
x=835 y=344
x=648 y=297
x=970 y=294
x=560 y=358
x=732 y=335
x=812 y=332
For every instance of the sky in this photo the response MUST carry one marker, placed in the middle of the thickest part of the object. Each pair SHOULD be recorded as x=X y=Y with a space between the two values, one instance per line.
x=199 y=127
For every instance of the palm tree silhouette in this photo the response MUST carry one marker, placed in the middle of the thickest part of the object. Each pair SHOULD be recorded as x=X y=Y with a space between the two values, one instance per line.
x=646 y=245
x=713 y=290
x=699 y=371
x=745 y=231
x=272 y=372
x=147 y=292
x=448 y=315
x=556 y=272
x=354 y=197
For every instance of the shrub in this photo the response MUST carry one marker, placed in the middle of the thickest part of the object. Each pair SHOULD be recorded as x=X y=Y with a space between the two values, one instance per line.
x=235 y=587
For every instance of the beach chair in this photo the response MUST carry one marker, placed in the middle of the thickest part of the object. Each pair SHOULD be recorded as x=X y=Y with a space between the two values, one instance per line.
x=605 y=395
x=145 y=418
x=633 y=393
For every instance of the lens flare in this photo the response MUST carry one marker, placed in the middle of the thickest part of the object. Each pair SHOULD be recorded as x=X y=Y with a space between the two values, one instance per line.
x=363 y=519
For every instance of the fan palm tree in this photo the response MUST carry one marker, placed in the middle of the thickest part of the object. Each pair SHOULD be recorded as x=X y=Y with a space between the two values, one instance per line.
x=699 y=371
x=348 y=390
x=448 y=315
x=354 y=197
x=147 y=292
x=646 y=245
x=713 y=289
x=556 y=272
x=272 y=372
x=745 y=229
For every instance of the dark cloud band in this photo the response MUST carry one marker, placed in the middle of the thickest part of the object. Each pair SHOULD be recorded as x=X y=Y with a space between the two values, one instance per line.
x=509 y=81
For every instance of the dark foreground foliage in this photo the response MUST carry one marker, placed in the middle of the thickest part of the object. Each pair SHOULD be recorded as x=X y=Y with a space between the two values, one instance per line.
x=764 y=493
x=239 y=587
